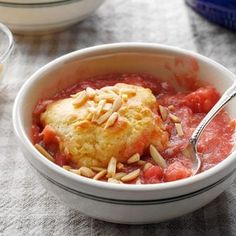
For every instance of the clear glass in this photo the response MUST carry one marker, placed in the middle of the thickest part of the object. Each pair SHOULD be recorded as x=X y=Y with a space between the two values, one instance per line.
x=6 y=46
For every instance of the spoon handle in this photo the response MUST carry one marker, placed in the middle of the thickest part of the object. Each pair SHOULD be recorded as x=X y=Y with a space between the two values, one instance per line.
x=226 y=97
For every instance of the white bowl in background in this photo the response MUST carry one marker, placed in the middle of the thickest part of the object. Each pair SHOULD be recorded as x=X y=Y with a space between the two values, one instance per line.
x=31 y=1
x=43 y=17
x=134 y=204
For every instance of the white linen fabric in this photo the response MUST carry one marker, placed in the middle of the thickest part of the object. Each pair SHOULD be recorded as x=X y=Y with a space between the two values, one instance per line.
x=25 y=206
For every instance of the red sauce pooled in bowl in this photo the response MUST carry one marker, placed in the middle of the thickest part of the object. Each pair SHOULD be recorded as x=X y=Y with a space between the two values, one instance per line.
x=215 y=143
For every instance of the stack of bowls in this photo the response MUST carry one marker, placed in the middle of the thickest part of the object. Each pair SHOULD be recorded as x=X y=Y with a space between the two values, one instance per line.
x=39 y=16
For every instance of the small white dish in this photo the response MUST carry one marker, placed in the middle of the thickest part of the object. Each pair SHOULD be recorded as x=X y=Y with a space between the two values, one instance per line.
x=133 y=204
x=37 y=17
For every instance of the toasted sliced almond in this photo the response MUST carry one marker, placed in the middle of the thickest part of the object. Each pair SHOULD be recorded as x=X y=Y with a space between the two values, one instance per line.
x=174 y=118
x=119 y=175
x=131 y=176
x=97 y=169
x=89 y=116
x=83 y=124
x=92 y=104
x=107 y=107
x=66 y=151
x=163 y=112
x=111 y=120
x=128 y=91
x=72 y=118
x=66 y=167
x=87 y=172
x=117 y=104
x=156 y=156
x=106 y=96
x=114 y=181
x=147 y=166
x=92 y=110
x=134 y=158
x=100 y=174
x=179 y=129
x=110 y=89
x=124 y=97
x=61 y=146
x=120 y=166
x=141 y=162
x=80 y=99
x=171 y=108
x=107 y=88
x=44 y=152
x=111 y=169
x=98 y=109
x=104 y=117
x=75 y=171
x=90 y=92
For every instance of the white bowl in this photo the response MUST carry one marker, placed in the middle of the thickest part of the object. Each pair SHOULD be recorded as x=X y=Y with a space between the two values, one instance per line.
x=31 y=1
x=42 y=17
x=133 y=204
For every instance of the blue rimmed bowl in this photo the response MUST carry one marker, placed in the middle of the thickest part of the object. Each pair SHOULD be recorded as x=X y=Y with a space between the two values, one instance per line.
x=222 y=12
x=36 y=17
x=134 y=204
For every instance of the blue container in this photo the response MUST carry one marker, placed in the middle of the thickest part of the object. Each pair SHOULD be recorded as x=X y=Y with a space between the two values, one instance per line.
x=222 y=12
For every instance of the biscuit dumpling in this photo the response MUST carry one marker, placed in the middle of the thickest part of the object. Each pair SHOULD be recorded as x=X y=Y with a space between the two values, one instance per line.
x=115 y=121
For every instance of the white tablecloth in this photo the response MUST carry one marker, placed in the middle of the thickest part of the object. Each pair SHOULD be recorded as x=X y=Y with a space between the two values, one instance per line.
x=25 y=207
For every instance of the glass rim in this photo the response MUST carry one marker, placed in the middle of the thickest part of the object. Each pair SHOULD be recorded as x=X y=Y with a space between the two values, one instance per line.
x=9 y=48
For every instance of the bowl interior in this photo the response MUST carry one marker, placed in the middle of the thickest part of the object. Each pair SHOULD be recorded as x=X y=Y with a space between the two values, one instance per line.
x=177 y=68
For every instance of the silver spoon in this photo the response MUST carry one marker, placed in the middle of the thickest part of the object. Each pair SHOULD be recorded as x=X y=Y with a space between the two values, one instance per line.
x=192 y=146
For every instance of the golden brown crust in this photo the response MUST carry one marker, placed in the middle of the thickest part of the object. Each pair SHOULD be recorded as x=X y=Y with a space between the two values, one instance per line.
x=93 y=131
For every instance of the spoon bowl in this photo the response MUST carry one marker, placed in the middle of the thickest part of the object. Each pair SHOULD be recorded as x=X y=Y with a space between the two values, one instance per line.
x=191 y=149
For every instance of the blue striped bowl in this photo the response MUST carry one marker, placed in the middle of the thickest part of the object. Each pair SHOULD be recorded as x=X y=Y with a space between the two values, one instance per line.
x=222 y=12
x=124 y=203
